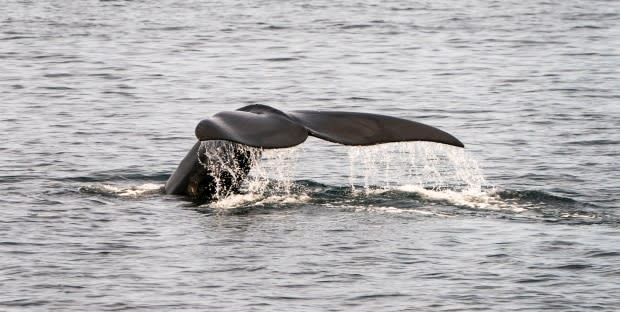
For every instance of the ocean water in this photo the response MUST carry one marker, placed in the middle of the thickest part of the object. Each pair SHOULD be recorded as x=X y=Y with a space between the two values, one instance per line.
x=99 y=100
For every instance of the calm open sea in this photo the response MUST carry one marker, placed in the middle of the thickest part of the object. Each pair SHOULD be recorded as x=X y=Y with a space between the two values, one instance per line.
x=98 y=104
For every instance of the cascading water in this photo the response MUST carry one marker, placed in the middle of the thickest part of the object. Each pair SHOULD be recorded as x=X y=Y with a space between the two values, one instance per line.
x=436 y=173
x=432 y=170
x=227 y=165
x=271 y=176
x=274 y=172
x=379 y=177
x=426 y=165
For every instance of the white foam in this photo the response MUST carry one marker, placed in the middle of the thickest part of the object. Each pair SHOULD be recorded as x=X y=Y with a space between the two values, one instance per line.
x=239 y=200
x=471 y=198
x=125 y=191
x=270 y=181
x=385 y=209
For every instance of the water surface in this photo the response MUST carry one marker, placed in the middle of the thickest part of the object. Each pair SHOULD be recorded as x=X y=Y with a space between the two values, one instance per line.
x=100 y=100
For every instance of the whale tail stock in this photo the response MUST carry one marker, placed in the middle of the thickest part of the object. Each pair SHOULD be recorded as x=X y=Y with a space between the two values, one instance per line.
x=265 y=127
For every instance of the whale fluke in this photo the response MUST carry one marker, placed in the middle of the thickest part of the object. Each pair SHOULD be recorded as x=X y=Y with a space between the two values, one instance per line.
x=263 y=130
x=266 y=127
x=226 y=136
x=369 y=129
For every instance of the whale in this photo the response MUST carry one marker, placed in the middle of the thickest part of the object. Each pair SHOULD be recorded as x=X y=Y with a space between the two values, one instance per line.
x=230 y=142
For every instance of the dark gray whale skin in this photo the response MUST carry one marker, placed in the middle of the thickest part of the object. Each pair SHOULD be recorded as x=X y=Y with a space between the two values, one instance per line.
x=265 y=127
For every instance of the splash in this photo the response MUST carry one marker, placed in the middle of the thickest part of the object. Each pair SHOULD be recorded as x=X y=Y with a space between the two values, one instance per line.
x=482 y=199
x=274 y=172
x=425 y=165
x=446 y=175
x=254 y=199
x=123 y=191
x=434 y=171
x=227 y=164
x=270 y=179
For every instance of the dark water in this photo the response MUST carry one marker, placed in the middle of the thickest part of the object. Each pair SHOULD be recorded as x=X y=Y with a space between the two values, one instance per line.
x=99 y=101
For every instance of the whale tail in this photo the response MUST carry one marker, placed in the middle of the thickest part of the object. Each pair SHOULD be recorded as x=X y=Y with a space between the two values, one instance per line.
x=266 y=127
x=212 y=169
x=219 y=166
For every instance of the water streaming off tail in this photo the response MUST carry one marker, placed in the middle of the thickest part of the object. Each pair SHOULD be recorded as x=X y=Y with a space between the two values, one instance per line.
x=227 y=164
x=425 y=165
x=435 y=171
x=270 y=179
x=274 y=171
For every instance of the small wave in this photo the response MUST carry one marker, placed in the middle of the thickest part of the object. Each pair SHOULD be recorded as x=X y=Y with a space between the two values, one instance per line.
x=480 y=199
x=275 y=27
x=57 y=75
x=17 y=37
x=281 y=59
x=56 y=88
x=123 y=191
x=396 y=210
x=112 y=176
x=525 y=204
x=471 y=198
x=355 y=26
x=600 y=254
x=251 y=199
x=532 y=195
